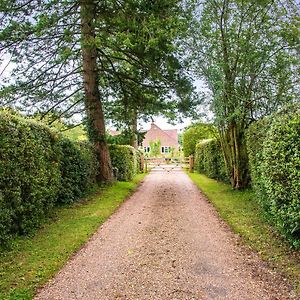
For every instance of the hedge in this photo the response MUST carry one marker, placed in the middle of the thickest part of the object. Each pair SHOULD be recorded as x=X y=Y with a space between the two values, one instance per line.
x=39 y=169
x=30 y=176
x=209 y=160
x=274 y=156
x=78 y=167
x=126 y=161
x=194 y=133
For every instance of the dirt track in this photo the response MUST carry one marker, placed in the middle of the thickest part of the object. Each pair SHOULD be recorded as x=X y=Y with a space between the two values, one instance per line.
x=165 y=242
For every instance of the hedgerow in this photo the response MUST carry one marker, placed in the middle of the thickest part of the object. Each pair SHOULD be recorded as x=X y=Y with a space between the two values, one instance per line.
x=29 y=174
x=39 y=169
x=126 y=161
x=78 y=169
x=274 y=156
x=194 y=133
x=209 y=160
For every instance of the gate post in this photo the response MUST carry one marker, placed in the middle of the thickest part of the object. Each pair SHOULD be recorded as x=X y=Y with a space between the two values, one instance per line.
x=191 y=163
x=142 y=166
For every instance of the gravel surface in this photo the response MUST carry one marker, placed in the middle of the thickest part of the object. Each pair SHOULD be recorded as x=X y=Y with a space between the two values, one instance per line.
x=165 y=242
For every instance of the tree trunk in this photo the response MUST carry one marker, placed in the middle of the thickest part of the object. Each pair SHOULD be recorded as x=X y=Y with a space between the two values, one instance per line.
x=235 y=155
x=96 y=125
x=134 y=139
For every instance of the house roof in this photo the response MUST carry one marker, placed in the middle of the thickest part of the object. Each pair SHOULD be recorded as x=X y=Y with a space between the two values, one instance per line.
x=113 y=132
x=166 y=137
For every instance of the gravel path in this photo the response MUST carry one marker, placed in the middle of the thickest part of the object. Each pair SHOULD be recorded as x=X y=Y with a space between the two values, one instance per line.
x=165 y=242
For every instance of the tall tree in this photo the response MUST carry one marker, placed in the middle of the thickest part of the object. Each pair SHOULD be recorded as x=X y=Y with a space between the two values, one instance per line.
x=95 y=115
x=248 y=55
x=66 y=52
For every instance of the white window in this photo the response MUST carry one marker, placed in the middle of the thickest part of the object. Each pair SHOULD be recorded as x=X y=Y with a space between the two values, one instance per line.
x=147 y=149
x=167 y=149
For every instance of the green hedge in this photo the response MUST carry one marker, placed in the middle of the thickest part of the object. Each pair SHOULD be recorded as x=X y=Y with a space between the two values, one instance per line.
x=194 y=133
x=78 y=167
x=274 y=157
x=38 y=170
x=209 y=160
x=126 y=161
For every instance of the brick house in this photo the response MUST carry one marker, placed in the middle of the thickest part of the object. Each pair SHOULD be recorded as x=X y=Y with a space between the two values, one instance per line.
x=168 y=139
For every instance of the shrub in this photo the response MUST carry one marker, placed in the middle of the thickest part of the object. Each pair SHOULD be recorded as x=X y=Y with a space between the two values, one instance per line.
x=30 y=175
x=275 y=168
x=39 y=168
x=210 y=161
x=125 y=161
x=193 y=134
x=138 y=161
x=78 y=169
x=255 y=138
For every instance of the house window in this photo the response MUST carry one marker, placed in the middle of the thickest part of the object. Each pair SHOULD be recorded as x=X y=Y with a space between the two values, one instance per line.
x=147 y=149
x=165 y=149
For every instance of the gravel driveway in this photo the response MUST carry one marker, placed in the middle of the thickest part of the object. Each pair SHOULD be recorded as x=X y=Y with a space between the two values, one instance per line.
x=165 y=242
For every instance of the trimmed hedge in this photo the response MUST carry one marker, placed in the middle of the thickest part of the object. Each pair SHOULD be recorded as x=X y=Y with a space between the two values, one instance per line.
x=274 y=155
x=29 y=174
x=209 y=160
x=194 y=133
x=126 y=161
x=39 y=169
x=78 y=166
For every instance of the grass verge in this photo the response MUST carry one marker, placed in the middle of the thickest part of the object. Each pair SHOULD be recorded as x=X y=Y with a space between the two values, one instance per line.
x=32 y=261
x=243 y=214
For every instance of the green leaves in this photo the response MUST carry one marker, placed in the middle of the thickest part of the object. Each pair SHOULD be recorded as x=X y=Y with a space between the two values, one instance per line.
x=38 y=170
x=209 y=160
x=274 y=156
x=126 y=161
x=195 y=133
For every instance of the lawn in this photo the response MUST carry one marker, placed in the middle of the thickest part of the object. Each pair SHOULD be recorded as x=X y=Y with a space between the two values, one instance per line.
x=240 y=210
x=32 y=261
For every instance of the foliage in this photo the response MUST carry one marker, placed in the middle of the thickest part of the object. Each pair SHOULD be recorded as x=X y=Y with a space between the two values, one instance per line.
x=209 y=160
x=39 y=169
x=30 y=175
x=125 y=138
x=194 y=133
x=247 y=53
x=273 y=146
x=77 y=133
x=54 y=45
x=78 y=167
x=32 y=261
x=126 y=161
x=243 y=214
x=155 y=148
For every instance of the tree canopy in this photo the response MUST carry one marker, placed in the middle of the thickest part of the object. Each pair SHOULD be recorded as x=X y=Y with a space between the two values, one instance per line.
x=247 y=52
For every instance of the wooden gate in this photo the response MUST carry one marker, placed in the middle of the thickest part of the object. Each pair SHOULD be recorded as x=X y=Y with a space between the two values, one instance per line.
x=165 y=164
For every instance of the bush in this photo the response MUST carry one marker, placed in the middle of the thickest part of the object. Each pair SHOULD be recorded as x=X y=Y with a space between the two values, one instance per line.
x=78 y=170
x=125 y=160
x=193 y=134
x=30 y=174
x=38 y=169
x=275 y=169
x=209 y=160
x=139 y=161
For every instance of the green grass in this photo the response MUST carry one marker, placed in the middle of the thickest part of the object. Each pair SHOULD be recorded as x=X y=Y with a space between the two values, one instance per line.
x=32 y=261
x=240 y=210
